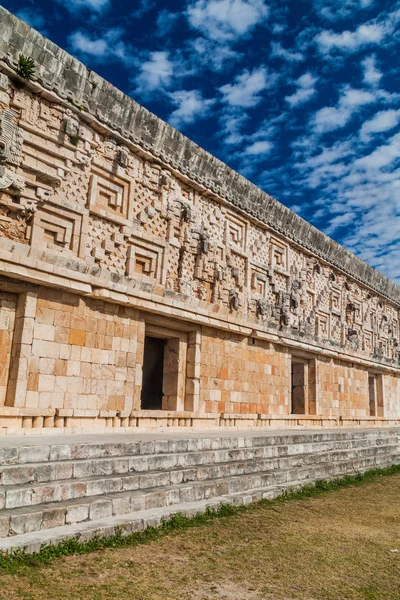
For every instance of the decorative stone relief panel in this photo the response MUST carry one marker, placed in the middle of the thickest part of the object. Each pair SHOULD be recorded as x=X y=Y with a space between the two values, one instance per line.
x=279 y=258
x=109 y=197
x=236 y=232
x=145 y=258
x=57 y=229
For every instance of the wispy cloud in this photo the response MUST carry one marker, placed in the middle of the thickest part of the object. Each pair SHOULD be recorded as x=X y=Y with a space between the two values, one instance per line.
x=384 y=120
x=94 y=5
x=110 y=46
x=258 y=148
x=335 y=10
x=213 y=55
x=277 y=50
x=350 y=41
x=225 y=20
x=382 y=156
x=305 y=90
x=247 y=87
x=34 y=18
x=191 y=107
x=372 y=75
x=155 y=73
x=166 y=22
x=142 y=9
x=330 y=118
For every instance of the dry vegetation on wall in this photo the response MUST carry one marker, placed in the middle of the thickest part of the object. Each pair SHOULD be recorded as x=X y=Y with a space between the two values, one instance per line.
x=339 y=544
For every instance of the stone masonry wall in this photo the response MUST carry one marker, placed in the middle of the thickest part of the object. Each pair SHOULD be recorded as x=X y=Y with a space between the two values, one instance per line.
x=342 y=389
x=84 y=354
x=113 y=224
x=242 y=375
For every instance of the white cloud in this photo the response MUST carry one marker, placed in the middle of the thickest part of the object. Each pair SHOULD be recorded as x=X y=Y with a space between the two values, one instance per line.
x=350 y=41
x=110 y=46
x=212 y=55
x=357 y=197
x=383 y=156
x=95 y=5
x=305 y=90
x=339 y=221
x=259 y=148
x=330 y=118
x=166 y=22
x=82 y=43
x=290 y=55
x=143 y=8
x=155 y=73
x=225 y=20
x=334 y=10
x=33 y=17
x=191 y=107
x=384 y=120
x=246 y=90
x=372 y=75
x=232 y=126
x=353 y=97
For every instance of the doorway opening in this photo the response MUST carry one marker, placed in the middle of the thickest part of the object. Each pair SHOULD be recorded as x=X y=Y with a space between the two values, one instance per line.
x=375 y=388
x=299 y=388
x=153 y=373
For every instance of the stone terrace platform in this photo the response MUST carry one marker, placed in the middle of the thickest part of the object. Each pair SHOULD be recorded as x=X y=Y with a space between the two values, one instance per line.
x=85 y=485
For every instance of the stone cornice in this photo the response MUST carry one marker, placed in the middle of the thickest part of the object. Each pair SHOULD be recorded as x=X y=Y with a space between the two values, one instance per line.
x=69 y=79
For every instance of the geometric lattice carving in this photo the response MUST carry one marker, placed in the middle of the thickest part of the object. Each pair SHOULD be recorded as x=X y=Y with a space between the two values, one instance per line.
x=108 y=197
x=145 y=258
x=336 y=302
x=56 y=228
x=259 y=282
x=368 y=341
x=279 y=255
x=235 y=232
x=323 y=325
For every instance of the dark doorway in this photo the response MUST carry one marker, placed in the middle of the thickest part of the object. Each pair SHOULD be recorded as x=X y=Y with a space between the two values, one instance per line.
x=372 y=395
x=298 y=389
x=153 y=367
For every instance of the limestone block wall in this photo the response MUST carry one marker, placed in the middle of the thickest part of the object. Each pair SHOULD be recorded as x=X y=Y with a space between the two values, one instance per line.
x=342 y=389
x=242 y=375
x=83 y=355
x=114 y=227
x=391 y=395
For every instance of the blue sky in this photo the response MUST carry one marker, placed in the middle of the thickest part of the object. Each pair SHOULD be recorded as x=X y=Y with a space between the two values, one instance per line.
x=302 y=97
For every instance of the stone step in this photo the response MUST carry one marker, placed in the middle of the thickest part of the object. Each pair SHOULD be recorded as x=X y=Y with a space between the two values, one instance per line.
x=138 y=520
x=46 y=516
x=78 y=468
x=16 y=496
x=43 y=453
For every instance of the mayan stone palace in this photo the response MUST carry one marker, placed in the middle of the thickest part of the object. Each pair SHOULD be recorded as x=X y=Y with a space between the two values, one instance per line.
x=145 y=284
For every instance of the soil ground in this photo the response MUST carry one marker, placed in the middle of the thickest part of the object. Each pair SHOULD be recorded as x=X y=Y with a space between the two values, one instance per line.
x=343 y=544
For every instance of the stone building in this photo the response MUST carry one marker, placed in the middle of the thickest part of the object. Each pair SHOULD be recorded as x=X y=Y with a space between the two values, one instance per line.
x=144 y=283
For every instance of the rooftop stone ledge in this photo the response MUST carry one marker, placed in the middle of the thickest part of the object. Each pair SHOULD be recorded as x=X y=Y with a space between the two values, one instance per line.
x=63 y=74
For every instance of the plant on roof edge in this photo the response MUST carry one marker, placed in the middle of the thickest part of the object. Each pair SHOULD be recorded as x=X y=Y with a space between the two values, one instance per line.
x=26 y=67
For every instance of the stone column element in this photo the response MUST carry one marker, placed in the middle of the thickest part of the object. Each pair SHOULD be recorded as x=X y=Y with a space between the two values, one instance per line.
x=192 y=399
x=21 y=349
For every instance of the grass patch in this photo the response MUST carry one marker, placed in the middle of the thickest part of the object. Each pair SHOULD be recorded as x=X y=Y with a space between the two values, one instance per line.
x=14 y=561
x=328 y=541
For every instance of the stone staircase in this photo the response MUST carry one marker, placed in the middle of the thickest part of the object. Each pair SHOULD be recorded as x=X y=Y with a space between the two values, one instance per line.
x=50 y=491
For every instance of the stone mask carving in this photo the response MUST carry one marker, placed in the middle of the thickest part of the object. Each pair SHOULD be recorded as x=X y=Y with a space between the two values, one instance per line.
x=10 y=149
x=233 y=300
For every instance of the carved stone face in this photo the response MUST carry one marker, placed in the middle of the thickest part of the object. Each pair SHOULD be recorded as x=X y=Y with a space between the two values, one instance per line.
x=10 y=149
x=5 y=141
x=10 y=137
